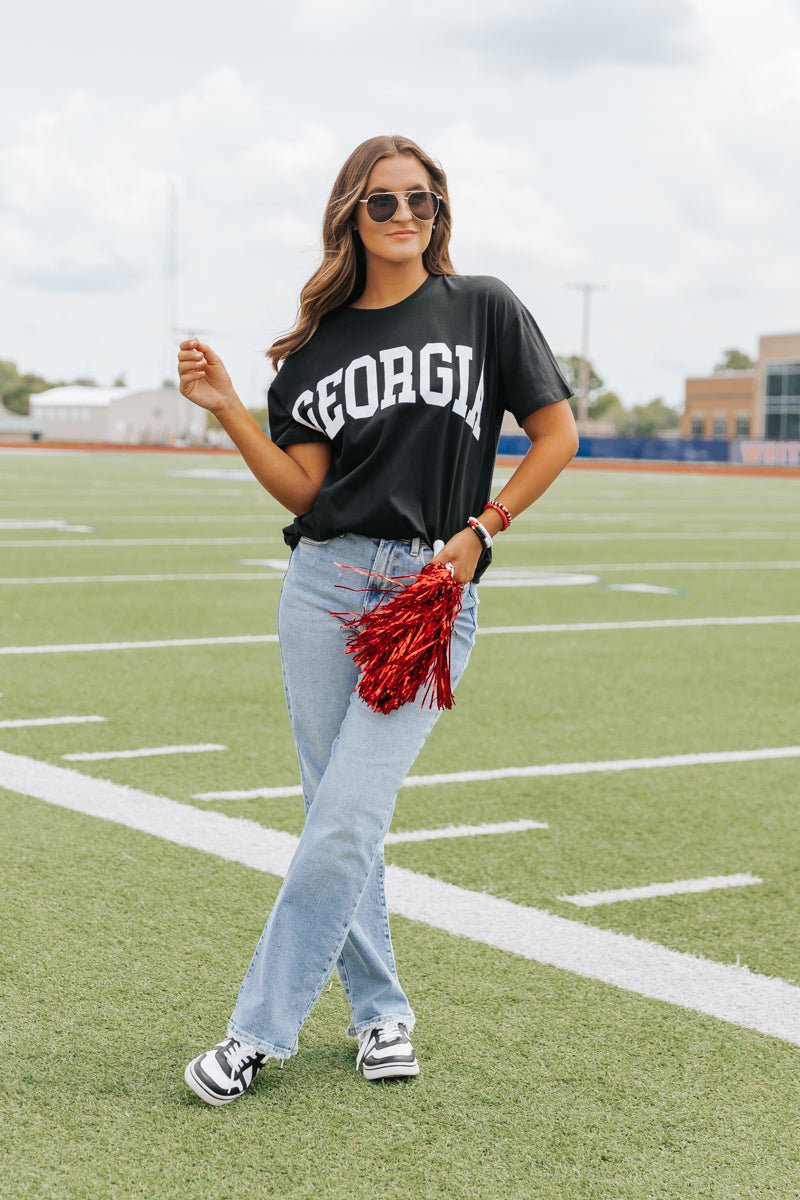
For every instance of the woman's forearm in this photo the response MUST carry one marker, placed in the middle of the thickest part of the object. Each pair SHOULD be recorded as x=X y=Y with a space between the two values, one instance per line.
x=545 y=460
x=279 y=474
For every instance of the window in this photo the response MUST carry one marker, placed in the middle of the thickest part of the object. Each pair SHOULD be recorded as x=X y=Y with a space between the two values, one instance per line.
x=742 y=426
x=720 y=426
x=782 y=401
x=698 y=427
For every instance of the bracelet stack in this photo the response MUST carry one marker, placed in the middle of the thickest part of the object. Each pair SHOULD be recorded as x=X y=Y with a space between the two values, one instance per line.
x=481 y=531
x=501 y=508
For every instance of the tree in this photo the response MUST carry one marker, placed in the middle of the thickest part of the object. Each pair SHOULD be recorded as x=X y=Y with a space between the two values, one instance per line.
x=734 y=360
x=571 y=370
x=645 y=420
x=607 y=406
x=15 y=388
x=120 y=381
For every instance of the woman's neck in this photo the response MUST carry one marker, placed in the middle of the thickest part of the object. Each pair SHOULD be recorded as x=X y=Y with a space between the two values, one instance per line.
x=389 y=283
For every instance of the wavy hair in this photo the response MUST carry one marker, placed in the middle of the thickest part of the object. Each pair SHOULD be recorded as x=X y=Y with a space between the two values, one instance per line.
x=342 y=275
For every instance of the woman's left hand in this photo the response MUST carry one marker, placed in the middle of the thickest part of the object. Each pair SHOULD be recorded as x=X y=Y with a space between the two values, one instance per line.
x=463 y=551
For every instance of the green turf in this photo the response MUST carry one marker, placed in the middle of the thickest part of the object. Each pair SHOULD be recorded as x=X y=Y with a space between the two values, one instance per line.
x=123 y=953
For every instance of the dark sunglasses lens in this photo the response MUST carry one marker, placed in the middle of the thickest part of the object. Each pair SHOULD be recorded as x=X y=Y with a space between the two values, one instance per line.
x=423 y=205
x=382 y=206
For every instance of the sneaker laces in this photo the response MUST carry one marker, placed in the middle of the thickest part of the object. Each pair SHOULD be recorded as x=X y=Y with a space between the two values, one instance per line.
x=239 y=1055
x=390 y=1030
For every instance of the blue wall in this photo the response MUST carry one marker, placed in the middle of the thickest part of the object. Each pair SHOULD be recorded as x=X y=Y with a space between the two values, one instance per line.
x=659 y=449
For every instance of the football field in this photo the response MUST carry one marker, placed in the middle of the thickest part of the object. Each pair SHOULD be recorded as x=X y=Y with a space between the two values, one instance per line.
x=592 y=870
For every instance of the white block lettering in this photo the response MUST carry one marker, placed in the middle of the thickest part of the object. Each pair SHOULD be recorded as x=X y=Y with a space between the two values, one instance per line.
x=369 y=366
x=392 y=376
x=444 y=374
x=474 y=414
x=305 y=400
x=326 y=392
x=464 y=356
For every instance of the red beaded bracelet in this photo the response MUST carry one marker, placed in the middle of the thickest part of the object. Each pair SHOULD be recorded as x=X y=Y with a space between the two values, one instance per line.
x=501 y=508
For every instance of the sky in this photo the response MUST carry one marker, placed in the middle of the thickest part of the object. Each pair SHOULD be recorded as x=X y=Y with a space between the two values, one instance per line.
x=648 y=147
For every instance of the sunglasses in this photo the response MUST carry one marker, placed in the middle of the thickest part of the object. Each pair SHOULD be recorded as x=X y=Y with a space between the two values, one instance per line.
x=381 y=206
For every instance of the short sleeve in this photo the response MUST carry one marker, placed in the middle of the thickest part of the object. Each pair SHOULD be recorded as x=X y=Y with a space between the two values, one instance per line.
x=284 y=428
x=530 y=376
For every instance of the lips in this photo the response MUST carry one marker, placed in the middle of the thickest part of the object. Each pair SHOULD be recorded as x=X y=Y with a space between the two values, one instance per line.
x=403 y=233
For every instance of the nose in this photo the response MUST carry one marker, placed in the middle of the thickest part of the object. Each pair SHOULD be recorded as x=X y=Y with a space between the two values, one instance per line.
x=403 y=211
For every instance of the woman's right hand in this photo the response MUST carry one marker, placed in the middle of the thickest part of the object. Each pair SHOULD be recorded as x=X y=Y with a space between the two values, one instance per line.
x=203 y=377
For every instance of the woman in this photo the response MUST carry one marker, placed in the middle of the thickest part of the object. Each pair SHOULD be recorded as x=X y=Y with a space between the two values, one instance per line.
x=384 y=419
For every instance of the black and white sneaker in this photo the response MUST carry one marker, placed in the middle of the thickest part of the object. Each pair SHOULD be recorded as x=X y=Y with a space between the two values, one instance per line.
x=224 y=1072
x=385 y=1052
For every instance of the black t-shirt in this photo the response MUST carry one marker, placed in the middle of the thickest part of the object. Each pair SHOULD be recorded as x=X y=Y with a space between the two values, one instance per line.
x=411 y=398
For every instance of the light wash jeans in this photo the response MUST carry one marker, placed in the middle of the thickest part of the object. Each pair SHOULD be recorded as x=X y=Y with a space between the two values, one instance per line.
x=331 y=908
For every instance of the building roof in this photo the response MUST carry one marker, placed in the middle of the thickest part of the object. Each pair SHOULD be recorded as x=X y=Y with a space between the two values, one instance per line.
x=89 y=397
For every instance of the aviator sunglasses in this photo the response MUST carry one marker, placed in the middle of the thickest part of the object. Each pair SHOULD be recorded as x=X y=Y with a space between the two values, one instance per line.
x=381 y=206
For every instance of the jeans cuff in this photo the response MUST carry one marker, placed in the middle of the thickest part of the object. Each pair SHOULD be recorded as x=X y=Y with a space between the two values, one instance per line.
x=356 y=1028
x=267 y=1048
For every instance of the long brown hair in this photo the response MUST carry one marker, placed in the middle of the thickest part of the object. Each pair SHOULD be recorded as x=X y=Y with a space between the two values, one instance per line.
x=342 y=275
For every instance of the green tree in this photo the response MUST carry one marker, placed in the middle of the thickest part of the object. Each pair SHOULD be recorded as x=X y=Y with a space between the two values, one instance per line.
x=15 y=388
x=645 y=420
x=606 y=407
x=734 y=360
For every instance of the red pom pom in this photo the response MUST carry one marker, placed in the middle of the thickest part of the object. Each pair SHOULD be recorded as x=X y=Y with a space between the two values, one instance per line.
x=404 y=641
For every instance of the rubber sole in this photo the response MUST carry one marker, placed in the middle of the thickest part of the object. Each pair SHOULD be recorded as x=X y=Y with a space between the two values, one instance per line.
x=391 y=1071
x=191 y=1081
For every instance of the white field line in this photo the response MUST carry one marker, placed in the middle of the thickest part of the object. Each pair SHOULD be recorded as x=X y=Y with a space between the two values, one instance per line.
x=145 y=752
x=679 y=887
x=655 y=623
x=523 y=573
x=32 y=523
x=183 y=577
x=93 y=647
x=459 y=831
x=658 y=535
x=539 y=771
x=27 y=722
x=88 y=543
x=734 y=994
x=250 y=639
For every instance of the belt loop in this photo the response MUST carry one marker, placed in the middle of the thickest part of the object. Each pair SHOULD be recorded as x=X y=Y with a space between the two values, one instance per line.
x=415 y=546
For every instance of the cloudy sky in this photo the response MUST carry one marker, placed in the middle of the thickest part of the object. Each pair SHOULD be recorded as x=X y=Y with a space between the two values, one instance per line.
x=645 y=146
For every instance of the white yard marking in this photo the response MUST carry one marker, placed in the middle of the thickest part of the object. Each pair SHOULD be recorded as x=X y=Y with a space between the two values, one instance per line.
x=26 y=722
x=688 y=565
x=227 y=474
x=679 y=887
x=10 y=523
x=644 y=587
x=539 y=771
x=183 y=577
x=512 y=577
x=277 y=564
x=248 y=639
x=655 y=623
x=654 y=535
x=460 y=831
x=94 y=543
x=145 y=752
x=730 y=993
x=94 y=647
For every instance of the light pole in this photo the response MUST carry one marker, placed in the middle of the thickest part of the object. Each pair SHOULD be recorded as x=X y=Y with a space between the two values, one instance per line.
x=583 y=385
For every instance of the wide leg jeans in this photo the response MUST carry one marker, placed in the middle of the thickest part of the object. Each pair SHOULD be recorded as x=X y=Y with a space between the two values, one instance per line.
x=331 y=908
